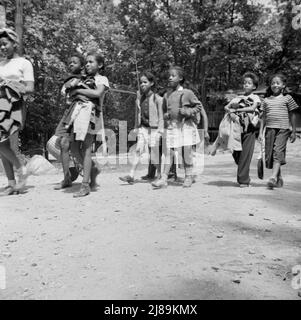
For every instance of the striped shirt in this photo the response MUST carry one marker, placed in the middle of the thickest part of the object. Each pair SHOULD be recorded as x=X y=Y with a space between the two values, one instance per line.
x=276 y=111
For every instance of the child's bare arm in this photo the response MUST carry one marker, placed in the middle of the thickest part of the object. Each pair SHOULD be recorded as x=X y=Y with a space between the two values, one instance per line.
x=29 y=87
x=262 y=125
x=293 y=119
x=249 y=109
x=205 y=124
x=91 y=93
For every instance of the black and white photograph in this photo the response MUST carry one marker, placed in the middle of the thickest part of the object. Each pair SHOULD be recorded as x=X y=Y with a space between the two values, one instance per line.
x=150 y=151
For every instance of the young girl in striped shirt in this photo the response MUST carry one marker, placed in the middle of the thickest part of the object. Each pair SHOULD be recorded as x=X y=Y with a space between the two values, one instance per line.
x=278 y=117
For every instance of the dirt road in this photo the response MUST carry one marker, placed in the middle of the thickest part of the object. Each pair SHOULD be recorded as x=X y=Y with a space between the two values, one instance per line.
x=214 y=241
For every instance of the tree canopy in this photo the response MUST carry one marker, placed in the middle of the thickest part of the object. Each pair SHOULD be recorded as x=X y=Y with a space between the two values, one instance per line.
x=215 y=41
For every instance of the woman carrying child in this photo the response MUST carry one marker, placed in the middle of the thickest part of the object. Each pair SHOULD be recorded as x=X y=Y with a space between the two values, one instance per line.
x=149 y=120
x=278 y=119
x=16 y=81
x=181 y=110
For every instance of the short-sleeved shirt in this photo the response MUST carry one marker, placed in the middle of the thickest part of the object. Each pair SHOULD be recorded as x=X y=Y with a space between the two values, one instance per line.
x=16 y=69
x=102 y=80
x=276 y=111
x=254 y=97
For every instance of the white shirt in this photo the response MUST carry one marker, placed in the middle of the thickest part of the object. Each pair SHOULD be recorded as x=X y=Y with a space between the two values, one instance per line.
x=16 y=69
x=102 y=80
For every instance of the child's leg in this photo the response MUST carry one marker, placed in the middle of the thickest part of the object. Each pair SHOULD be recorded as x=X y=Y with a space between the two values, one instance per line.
x=188 y=165
x=7 y=152
x=65 y=158
x=168 y=156
x=9 y=170
x=77 y=152
x=155 y=159
x=10 y=160
x=276 y=170
x=135 y=163
x=215 y=146
x=87 y=154
x=245 y=158
x=141 y=144
x=87 y=164
x=279 y=154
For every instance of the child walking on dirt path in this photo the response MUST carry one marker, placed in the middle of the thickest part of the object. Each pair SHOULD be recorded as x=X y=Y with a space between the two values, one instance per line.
x=244 y=112
x=86 y=118
x=65 y=135
x=181 y=113
x=150 y=124
x=278 y=118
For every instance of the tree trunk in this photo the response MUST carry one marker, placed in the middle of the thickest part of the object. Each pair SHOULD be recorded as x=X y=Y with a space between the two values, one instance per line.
x=19 y=23
x=2 y=15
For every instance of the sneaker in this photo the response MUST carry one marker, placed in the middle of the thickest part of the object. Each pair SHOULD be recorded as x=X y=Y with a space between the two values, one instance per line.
x=66 y=183
x=128 y=179
x=272 y=183
x=280 y=182
x=147 y=178
x=160 y=183
x=244 y=185
x=84 y=191
x=94 y=173
x=9 y=191
x=188 y=181
x=172 y=177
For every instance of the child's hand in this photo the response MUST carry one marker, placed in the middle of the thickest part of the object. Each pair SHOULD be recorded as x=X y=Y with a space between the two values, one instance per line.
x=206 y=137
x=73 y=92
x=293 y=137
x=260 y=137
x=233 y=117
x=234 y=104
x=185 y=112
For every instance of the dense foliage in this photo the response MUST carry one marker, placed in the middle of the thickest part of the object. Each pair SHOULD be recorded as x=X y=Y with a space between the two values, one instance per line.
x=215 y=41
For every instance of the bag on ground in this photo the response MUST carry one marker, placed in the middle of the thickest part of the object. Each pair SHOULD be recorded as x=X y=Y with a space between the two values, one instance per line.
x=38 y=165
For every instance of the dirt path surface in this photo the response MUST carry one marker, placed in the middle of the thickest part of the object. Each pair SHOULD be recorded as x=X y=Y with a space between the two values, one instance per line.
x=213 y=241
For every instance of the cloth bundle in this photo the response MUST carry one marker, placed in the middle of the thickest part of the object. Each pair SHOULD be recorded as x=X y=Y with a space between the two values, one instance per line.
x=229 y=135
x=11 y=112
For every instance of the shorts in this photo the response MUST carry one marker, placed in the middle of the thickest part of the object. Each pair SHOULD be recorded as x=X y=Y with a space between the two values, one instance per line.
x=275 y=146
x=61 y=130
x=147 y=138
x=182 y=134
